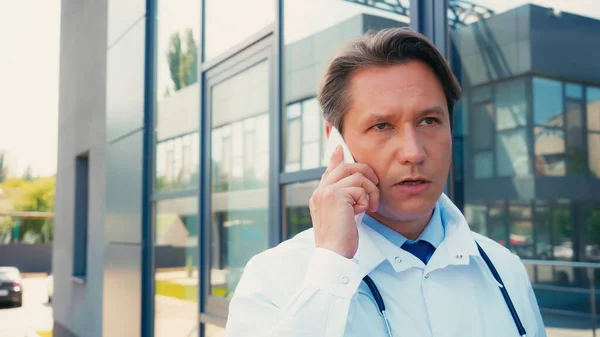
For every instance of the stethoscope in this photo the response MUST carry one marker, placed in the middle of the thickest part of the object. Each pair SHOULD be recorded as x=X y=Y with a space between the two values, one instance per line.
x=488 y=262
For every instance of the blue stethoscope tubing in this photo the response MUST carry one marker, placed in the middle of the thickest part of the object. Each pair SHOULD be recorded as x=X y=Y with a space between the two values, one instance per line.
x=488 y=262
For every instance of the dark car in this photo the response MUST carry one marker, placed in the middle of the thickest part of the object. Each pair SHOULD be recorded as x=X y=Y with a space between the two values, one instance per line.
x=11 y=286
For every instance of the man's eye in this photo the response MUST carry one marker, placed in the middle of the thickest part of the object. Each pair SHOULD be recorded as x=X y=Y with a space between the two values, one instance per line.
x=380 y=126
x=430 y=121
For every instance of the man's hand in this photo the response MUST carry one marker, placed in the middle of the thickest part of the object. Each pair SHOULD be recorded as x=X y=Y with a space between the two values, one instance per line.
x=344 y=191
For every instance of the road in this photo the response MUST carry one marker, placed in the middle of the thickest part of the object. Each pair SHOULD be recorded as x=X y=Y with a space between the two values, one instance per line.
x=34 y=315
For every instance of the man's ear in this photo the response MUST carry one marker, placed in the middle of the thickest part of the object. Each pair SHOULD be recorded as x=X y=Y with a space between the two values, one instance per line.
x=328 y=127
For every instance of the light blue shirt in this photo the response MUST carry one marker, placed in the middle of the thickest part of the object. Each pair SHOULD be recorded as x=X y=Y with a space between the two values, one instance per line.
x=433 y=233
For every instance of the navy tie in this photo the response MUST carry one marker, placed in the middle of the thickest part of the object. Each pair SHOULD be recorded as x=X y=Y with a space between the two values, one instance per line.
x=421 y=249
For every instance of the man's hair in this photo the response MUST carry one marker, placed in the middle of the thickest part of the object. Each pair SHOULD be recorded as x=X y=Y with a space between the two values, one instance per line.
x=375 y=49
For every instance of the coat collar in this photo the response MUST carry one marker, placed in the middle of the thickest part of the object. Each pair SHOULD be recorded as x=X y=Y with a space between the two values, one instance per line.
x=456 y=249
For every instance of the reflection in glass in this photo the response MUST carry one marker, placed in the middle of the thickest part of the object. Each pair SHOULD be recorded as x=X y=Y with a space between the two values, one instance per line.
x=497 y=229
x=575 y=153
x=240 y=168
x=297 y=213
x=512 y=153
x=592 y=231
x=294 y=144
x=547 y=102
x=231 y=22
x=305 y=136
x=177 y=95
x=483 y=126
x=562 y=230
x=521 y=229
x=483 y=163
x=176 y=267
x=476 y=216
x=481 y=94
x=178 y=34
x=573 y=90
x=543 y=230
x=549 y=151
x=511 y=106
x=314 y=31
x=177 y=161
x=594 y=154
x=593 y=109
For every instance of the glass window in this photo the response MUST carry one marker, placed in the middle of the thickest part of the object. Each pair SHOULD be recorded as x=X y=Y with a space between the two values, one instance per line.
x=556 y=133
x=311 y=121
x=547 y=102
x=240 y=176
x=476 y=216
x=483 y=126
x=512 y=158
x=562 y=230
x=549 y=151
x=592 y=231
x=497 y=228
x=177 y=161
x=230 y=22
x=574 y=125
x=593 y=109
x=511 y=106
x=483 y=163
x=594 y=154
x=297 y=213
x=176 y=267
x=573 y=90
x=177 y=95
x=294 y=144
x=521 y=229
x=305 y=135
x=574 y=141
x=482 y=94
x=314 y=31
x=543 y=229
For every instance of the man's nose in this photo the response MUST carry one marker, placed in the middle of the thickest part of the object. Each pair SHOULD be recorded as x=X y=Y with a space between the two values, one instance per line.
x=410 y=147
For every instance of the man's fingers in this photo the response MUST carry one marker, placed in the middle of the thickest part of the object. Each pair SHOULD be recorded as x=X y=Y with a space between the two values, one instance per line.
x=337 y=157
x=345 y=170
x=357 y=198
x=359 y=180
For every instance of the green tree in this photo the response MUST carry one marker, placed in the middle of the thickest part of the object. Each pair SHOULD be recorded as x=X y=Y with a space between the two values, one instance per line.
x=188 y=72
x=183 y=64
x=174 y=59
x=28 y=175
x=38 y=196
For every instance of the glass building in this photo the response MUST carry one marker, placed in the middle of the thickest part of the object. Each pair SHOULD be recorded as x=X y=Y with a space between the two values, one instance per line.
x=191 y=139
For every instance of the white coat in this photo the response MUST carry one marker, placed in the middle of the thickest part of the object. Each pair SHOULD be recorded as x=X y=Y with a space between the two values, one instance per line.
x=296 y=290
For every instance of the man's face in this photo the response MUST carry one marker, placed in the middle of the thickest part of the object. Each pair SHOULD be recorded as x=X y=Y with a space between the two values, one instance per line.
x=398 y=124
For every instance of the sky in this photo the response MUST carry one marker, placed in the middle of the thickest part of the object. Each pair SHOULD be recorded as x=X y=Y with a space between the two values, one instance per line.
x=29 y=64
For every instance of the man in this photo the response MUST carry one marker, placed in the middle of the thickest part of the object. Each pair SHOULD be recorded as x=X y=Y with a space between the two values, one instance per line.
x=391 y=94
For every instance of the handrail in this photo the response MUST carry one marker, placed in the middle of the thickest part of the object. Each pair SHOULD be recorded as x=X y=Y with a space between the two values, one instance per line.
x=43 y=215
x=558 y=263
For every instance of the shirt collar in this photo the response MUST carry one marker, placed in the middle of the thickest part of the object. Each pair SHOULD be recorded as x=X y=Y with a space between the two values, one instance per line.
x=455 y=248
x=433 y=232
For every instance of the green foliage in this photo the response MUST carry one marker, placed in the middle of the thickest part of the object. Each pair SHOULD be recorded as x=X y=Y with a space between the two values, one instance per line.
x=174 y=59
x=183 y=64
x=592 y=225
x=36 y=195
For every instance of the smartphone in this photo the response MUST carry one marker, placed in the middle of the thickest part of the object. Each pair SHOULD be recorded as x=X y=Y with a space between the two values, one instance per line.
x=335 y=139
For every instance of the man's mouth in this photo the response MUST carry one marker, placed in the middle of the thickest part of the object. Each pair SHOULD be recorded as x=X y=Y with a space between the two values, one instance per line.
x=410 y=181
x=413 y=182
